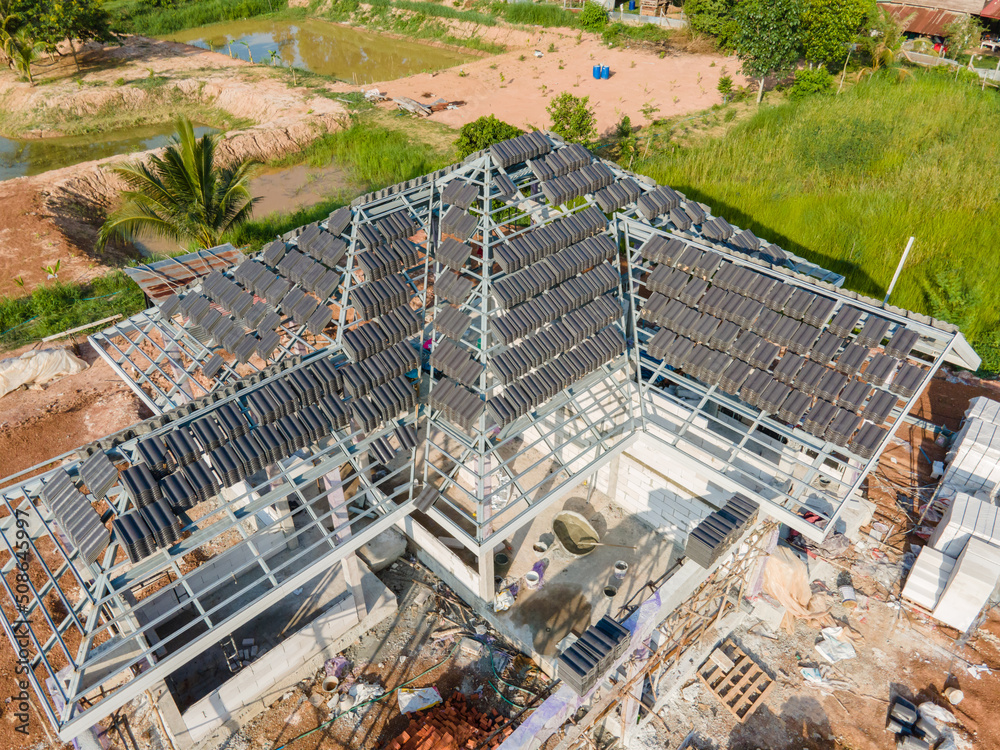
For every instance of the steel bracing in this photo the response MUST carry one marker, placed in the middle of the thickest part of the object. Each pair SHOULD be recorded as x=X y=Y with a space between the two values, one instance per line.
x=468 y=346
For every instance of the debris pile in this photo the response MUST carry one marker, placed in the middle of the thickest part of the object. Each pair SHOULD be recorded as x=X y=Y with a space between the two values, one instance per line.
x=452 y=725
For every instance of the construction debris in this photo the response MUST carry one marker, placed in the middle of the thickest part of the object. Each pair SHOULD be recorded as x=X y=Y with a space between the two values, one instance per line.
x=452 y=725
x=414 y=107
x=741 y=689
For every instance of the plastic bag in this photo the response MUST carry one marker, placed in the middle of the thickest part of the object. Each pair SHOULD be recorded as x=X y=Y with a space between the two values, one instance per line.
x=418 y=699
x=38 y=367
x=832 y=648
x=936 y=713
x=785 y=579
x=504 y=601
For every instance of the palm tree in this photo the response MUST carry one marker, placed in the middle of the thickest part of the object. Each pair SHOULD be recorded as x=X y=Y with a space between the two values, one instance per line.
x=8 y=19
x=24 y=51
x=181 y=195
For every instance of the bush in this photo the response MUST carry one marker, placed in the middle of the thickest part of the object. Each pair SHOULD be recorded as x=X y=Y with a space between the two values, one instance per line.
x=483 y=133
x=573 y=118
x=725 y=87
x=809 y=82
x=593 y=17
x=709 y=16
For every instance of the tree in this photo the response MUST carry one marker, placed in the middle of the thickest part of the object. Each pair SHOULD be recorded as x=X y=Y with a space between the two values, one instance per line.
x=883 y=40
x=963 y=33
x=573 y=118
x=709 y=16
x=24 y=52
x=483 y=133
x=9 y=21
x=766 y=37
x=181 y=195
x=50 y=22
x=830 y=27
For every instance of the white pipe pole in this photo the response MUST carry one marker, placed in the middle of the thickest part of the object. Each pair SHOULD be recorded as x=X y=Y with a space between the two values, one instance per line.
x=899 y=268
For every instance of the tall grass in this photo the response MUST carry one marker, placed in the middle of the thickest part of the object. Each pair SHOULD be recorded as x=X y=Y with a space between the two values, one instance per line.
x=373 y=157
x=530 y=14
x=140 y=17
x=56 y=307
x=445 y=11
x=845 y=180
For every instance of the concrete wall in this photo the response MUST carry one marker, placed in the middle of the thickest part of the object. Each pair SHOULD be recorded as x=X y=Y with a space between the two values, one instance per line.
x=434 y=553
x=269 y=669
x=671 y=499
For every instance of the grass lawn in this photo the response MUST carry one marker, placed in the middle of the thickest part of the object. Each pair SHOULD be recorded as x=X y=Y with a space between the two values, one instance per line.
x=845 y=180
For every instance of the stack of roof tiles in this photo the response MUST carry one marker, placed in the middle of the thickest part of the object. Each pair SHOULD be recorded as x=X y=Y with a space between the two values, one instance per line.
x=800 y=368
x=75 y=516
x=589 y=658
x=719 y=530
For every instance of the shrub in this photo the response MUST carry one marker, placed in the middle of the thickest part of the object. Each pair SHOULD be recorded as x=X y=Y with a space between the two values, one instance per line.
x=809 y=82
x=593 y=17
x=573 y=118
x=624 y=127
x=483 y=133
x=725 y=87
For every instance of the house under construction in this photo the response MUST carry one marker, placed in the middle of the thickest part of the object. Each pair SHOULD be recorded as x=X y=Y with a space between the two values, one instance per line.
x=479 y=358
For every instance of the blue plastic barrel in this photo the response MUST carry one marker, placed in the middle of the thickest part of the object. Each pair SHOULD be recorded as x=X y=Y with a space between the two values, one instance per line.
x=631 y=5
x=597 y=72
x=605 y=72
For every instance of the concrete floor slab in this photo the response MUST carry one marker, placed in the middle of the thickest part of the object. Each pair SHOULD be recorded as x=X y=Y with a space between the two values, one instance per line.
x=572 y=596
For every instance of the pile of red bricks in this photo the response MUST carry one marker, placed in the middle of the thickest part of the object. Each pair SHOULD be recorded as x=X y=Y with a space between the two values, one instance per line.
x=452 y=725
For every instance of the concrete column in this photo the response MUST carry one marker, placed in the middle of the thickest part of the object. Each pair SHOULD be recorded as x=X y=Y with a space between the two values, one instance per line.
x=487 y=589
x=352 y=574
x=287 y=523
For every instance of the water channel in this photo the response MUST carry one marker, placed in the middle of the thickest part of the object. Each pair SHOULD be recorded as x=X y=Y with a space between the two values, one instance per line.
x=19 y=158
x=329 y=49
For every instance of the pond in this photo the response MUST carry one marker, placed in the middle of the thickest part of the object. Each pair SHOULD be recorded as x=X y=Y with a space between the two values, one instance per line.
x=19 y=158
x=326 y=48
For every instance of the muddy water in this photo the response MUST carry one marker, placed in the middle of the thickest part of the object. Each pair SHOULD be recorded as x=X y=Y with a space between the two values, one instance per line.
x=278 y=189
x=19 y=158
x=321 y=47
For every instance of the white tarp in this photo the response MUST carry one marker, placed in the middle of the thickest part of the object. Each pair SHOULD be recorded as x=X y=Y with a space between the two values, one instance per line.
x=38 y=367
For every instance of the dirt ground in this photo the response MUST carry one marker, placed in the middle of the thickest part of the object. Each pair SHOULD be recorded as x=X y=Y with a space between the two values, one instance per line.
x=518 y=85
x=50 y=217
x=897 y=655
x=39 y=423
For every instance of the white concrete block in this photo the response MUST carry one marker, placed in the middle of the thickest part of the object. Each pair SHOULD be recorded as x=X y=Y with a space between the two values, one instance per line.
x=972 y=582
x=928 y=578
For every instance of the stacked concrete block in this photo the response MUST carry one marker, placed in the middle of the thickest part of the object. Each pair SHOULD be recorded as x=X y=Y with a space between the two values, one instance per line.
x=966 y=517
x=586 y=660
x=714 y=535
x=974 y=459
x=928 y=578
x=970 y=586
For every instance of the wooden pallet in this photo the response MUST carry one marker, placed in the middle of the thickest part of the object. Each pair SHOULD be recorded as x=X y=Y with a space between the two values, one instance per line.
x=741 y=689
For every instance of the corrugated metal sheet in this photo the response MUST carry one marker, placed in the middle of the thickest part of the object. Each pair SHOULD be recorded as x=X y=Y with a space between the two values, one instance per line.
x=925 y=21
x=968 y=7
x=161 y=278
x=992 y=9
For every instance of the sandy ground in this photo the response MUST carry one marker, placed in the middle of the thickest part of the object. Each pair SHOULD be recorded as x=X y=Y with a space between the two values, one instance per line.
x=41 y=422
x=50 y=217
x=518 y=91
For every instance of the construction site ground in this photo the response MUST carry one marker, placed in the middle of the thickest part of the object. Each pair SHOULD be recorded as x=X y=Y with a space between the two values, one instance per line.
x=424 y=637
x=898 y=652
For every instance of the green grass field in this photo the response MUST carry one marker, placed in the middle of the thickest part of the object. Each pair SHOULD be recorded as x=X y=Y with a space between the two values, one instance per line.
x=845 y=180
